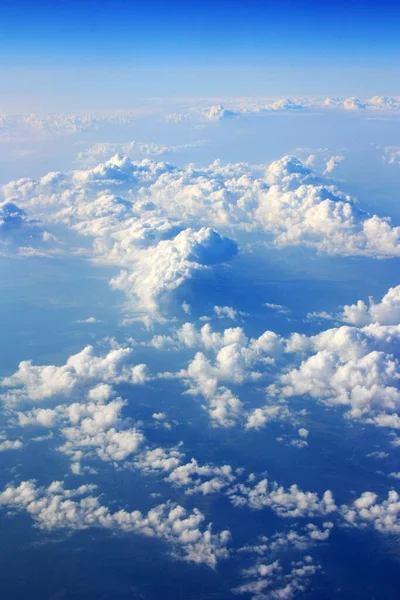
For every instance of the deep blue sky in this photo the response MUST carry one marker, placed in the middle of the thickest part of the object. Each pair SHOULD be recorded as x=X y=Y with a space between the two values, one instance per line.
x=198 y=48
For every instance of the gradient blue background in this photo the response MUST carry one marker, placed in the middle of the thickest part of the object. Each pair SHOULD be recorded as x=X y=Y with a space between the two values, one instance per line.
x=105 y=54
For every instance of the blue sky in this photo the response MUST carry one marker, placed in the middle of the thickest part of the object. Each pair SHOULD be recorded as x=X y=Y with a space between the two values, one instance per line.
x=188 y=48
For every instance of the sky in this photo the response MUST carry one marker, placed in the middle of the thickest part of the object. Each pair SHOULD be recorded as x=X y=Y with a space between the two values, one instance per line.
x=61 y=52
x=199 y=301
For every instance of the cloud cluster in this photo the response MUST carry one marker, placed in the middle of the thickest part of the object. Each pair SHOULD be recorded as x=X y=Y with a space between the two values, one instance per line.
x=233 y=361
x=289 y=503
x=272 y=581
x=83 y=407
x=55 y=508
x=203 y=479
x=367 y=511
x=385 y=312
x=9 y=444
x=31 y=383
x=253 y=106
x=93 y=427
x=136 y=210
x=346 y=366
x=299 y=539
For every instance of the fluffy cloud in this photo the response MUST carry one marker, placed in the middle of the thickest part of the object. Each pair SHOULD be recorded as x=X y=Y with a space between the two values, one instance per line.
x=368 y=511
x=55 y=508
x=91 y=428
x=260 y=417
x=159 y=271
x=191 y=475
x=159 y=460
x=235 y=357
x=32 y=383
x=385 y=312
x=10 y=445
x=355 y=368
x=128 y=206
x=346 y=366
x=299 y=539
x=272 y=581
x=291 y=502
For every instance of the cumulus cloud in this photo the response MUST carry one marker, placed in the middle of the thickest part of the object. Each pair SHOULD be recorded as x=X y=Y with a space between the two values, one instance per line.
x=159 y=271
x=301 y=538
x=91 y=428
x=31 y=383
x=367 y=511
x=272 y=581
x=385 y=312
x=204 y=479
x=260 y=417
x=159 y=460
x=350 y=367
x=6 y=445
x=136 y=210
x=234 y=360
x=289 y=503
x=354 y=368
x=55 y=508
x=83 y=408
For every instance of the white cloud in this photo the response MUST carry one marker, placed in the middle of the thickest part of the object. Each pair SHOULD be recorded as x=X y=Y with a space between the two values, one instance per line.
x=299 y=539
x=43 y=126
x=274 y=582
x=55 y=508
x=332 y=164
x=136 y=213
x=159 y=459
x=277 y=307
x=10 y=445
x=157 y=272
x=291 y=502
x=32 y=383
x=191 y=475
x=368 y=511
x=260 y=417
x=159 y=416
x=225 y=312
x=234 y=360
x=90 y=320
x=92 y=428
x=385 y=312
x=348 y=367
x=254 y=106
x=391 y=154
